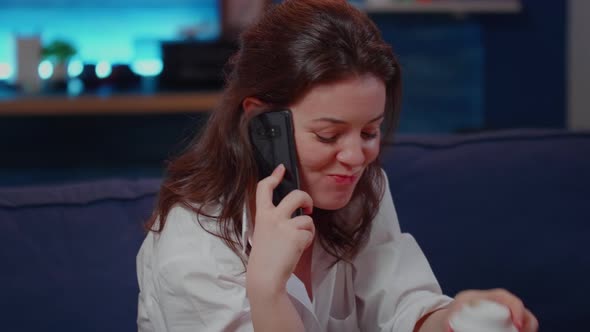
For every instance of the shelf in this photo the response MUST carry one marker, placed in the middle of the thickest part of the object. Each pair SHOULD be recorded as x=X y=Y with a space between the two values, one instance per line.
x=444 y=7
x=110 y=105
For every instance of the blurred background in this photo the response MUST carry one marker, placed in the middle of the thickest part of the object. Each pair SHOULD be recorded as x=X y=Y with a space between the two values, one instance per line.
x=111 y=89
x=107 y=88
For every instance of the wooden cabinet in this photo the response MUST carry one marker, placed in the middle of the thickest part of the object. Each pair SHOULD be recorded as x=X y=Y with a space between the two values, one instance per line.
x=178 y=102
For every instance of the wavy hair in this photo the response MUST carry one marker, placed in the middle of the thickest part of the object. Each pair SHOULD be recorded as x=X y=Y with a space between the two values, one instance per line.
x=295 y=46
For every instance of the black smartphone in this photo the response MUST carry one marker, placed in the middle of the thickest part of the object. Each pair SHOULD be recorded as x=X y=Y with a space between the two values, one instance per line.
x=273 y=143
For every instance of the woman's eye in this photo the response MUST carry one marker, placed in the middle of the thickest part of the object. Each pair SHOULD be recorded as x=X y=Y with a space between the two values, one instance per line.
x=326 y=139
x=370 y=135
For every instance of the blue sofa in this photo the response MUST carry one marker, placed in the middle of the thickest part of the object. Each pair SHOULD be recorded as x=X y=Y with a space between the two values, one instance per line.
x=504 y=209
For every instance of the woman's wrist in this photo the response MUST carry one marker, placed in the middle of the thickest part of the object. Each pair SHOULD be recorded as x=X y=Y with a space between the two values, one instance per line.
x=263 y=286
x=273 y=311
x=434 y=321
x=259 y=291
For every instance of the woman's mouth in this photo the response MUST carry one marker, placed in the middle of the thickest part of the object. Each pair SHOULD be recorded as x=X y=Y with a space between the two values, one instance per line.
x=343 y=179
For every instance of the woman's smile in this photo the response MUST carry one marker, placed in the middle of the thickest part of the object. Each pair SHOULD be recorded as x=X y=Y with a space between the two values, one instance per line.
x=342 y=179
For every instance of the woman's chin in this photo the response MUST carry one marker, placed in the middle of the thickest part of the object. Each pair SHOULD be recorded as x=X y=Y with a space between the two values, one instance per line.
x=333 y=202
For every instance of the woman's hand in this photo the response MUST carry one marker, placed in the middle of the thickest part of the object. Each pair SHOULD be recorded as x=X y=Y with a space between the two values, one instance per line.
x=278 y=240
x=522 y=318
x=438 y=320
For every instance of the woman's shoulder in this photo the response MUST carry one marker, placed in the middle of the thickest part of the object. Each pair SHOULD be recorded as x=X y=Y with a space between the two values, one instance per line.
x=189 y=237
x=190 y=225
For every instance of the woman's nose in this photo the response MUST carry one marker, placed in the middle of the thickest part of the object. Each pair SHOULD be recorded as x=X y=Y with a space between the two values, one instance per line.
x=351 y=153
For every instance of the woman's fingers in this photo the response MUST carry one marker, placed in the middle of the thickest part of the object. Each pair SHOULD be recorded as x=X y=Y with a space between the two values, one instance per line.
x=513 y=303
x=266 y=186
x=531 y=324
x=295 y=200
x=522 y=318
x=305 y=230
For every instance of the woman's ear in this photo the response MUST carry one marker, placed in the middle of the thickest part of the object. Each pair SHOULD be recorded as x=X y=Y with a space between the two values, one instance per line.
x=251 y=104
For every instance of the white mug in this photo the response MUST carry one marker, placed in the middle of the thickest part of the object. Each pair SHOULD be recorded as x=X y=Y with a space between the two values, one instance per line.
x=484 y=316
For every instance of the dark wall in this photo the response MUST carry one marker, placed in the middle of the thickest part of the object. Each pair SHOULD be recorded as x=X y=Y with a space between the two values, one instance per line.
x=525 y=73
x=523 y=77
x=442 y=65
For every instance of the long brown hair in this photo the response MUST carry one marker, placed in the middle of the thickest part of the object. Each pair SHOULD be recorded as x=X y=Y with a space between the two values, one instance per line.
x=295 y=46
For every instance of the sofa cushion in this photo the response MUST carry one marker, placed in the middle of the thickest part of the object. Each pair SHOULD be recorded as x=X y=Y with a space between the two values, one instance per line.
x=69 y=255
x=509 y=209
x=505 y=209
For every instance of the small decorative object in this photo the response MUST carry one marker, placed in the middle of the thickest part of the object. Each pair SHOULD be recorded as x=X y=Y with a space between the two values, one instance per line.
x=59 y=52
x=28 y=56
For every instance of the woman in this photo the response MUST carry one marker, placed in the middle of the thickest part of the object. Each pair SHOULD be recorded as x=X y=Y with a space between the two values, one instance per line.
x=344 y=265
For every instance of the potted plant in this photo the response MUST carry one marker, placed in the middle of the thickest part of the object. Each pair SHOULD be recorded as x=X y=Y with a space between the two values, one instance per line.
x=59 y=52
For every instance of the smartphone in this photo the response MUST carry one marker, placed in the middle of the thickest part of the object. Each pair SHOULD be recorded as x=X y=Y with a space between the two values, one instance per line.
x=273 y=143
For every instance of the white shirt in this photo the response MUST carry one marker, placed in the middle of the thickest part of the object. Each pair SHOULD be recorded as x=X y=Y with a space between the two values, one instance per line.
x=190 y=280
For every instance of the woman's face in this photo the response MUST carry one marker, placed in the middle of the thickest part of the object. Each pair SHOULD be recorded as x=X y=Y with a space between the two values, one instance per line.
x=337 y=133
